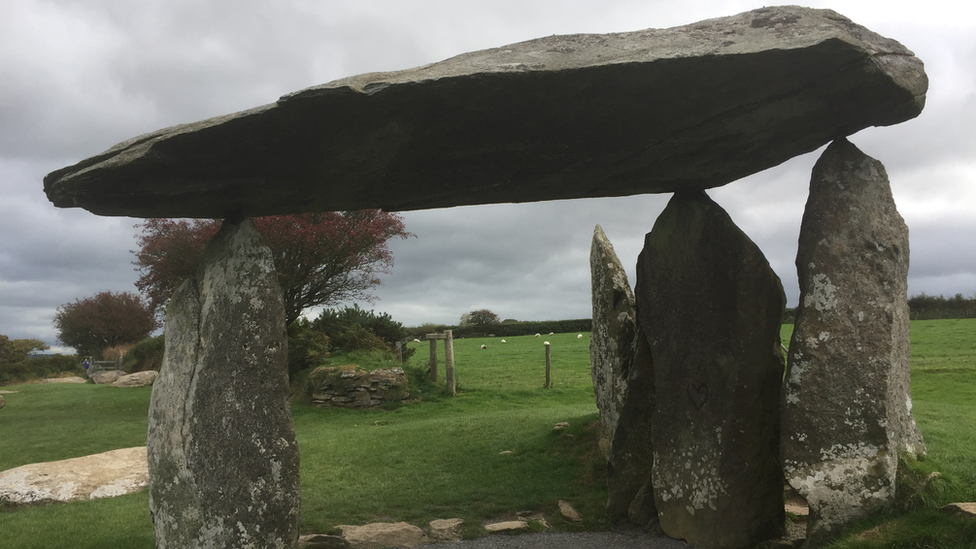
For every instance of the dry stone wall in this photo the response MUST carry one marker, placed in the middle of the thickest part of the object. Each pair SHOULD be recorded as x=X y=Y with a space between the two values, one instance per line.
x=350 y=387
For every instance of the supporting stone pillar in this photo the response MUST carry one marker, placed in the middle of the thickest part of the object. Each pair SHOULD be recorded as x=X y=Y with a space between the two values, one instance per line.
x=631 y=461
x=223 y=459
x=711 y=307
x=847 y=402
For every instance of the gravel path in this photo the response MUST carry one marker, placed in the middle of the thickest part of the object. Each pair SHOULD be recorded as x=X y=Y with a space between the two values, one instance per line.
x=568 y=540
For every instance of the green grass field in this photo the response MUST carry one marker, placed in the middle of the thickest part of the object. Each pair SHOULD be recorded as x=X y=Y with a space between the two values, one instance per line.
x=440 y=457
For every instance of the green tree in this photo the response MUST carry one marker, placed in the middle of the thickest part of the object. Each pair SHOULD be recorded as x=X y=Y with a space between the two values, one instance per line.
x=321 y=258
x=17 y=350
x=481 y=317
x=104 y=320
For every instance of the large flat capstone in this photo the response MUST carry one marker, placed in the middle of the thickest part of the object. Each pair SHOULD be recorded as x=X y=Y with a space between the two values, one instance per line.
x=561 y=117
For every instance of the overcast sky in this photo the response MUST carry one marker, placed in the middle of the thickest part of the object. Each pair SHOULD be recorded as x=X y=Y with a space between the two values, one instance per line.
x=78 y=76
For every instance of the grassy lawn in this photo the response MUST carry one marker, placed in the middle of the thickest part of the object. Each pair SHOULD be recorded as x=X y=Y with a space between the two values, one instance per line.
x=440 y=457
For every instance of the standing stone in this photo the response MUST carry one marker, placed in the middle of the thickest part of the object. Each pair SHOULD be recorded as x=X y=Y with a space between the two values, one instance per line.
x=847 y=402
x=632 y=452
x=711 y=306
x=614 y=337
x=223 y=460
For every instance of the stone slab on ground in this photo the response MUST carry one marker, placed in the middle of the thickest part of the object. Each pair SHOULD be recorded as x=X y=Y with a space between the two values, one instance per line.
x=964 y=510
x=379 y=535
x=507 y=526
x=113 y=473
x=576 y=116
x=137 y=379
x=106 y=378
x=70 y=379
x=568 y=512
x=445 y=530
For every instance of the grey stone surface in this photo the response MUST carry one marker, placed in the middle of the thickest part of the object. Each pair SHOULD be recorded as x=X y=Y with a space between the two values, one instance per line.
x=108 y=474
x=444 y=530
x=614 y=337
x=106 y=377
x=223 y=460
x=847 y=397
x=575 y=116
x=711 y=307
x=381 y=535
x=137 y=379
x=632 y=451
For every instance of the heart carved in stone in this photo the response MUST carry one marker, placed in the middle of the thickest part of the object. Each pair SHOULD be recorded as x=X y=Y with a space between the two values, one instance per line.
x=698 y=394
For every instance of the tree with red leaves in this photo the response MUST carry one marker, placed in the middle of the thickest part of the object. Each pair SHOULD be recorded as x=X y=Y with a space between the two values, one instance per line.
x=104 y=320
x=321 y=258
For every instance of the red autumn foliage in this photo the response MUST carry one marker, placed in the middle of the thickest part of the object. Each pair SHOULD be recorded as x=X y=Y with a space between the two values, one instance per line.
x=321 y=258
x=104 y=320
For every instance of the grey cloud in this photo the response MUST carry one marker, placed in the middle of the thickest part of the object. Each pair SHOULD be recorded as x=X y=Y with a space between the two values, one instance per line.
x=80 y=77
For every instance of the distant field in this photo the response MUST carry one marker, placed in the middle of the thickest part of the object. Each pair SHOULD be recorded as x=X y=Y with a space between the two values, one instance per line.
x=439 y=458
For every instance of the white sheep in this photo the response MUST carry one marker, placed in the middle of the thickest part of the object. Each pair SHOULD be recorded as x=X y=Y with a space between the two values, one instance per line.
x=484 y=346
x=416 y=340
x=538 y=335
x=579 y=336
x=503 y=341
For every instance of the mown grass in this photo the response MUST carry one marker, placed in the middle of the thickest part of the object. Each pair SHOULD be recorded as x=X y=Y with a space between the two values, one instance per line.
x=440 y=457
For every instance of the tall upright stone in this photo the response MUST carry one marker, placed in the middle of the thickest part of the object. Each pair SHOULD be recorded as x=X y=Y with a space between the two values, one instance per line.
x=614 y=334
x=223 y=459
x=847 y=402
x=631 y=460
x=711 y=307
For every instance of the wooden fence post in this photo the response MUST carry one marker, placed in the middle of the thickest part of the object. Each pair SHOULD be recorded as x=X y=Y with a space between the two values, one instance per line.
x=449 y=360
x=399 y=351
x=548 y=367
x=433 y=359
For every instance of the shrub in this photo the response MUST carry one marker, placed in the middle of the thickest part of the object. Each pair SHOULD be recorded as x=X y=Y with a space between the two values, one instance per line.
x=39 y=366
x=146 y=355
x=354 y=329
x=306 y=347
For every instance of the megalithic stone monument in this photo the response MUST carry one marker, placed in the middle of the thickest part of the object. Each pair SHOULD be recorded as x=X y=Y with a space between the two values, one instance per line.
x=223 y=460
x=613 y=341
x=711 y=308
x=660 y=110
x=847 y=402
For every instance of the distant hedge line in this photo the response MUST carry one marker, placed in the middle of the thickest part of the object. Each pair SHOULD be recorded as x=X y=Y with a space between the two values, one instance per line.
x=925 y=307
x=507 y=329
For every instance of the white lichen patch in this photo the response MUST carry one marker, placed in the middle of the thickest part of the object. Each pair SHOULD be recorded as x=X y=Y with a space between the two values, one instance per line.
x=845 y=488
x=692 y=477
x=822 y=296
